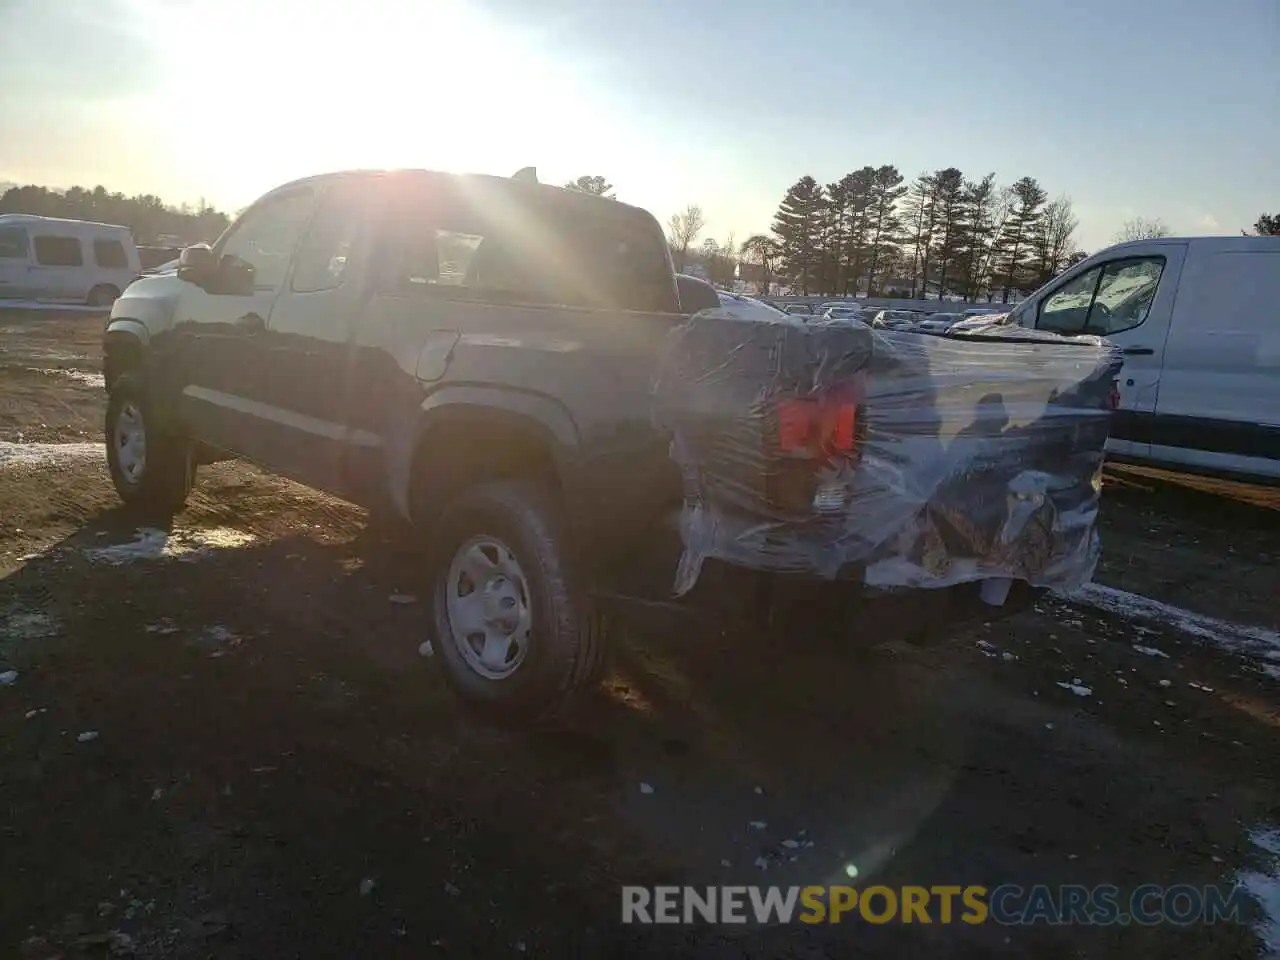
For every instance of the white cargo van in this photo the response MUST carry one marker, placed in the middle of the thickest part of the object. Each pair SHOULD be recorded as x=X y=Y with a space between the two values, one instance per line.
x=64 y=261
x=1198 y=320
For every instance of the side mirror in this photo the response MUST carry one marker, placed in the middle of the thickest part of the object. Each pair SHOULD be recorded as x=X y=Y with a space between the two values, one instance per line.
x=196 y=264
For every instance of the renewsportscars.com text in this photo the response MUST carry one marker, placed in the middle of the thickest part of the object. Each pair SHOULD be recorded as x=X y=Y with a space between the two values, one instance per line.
x=1008 y=904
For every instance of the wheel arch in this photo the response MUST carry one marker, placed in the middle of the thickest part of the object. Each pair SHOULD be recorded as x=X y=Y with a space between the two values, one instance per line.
x=124 y=347
x=470 y=435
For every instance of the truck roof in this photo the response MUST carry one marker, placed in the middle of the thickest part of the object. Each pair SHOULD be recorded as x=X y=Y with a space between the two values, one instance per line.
x=514 y=186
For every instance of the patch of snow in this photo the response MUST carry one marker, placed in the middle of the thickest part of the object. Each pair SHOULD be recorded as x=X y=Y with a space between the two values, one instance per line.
x=402 y=598
x=80 y=376
x=47 y=454
x=1166 y=683
x=87 y=736
x=18 y=625
x=1264 y=886
x=1076 y=687
x=164 y=627
x=1150 y=651
x=367 y=885
x=646 y=788
x=1234 y=637
x=757 y=824
x=8 y=678
x=186 y=545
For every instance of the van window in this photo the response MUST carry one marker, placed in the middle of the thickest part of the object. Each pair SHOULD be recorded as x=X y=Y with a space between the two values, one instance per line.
x=110 y=254
x=325 y=252
x=507 y=244
x=58 y=252
x=13 y=243
x=1109 y=299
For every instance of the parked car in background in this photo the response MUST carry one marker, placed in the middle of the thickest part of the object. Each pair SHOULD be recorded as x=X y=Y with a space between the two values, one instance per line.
x=842 y=313
x=937 y=322
x=1196 y=318
x=65 y=261
x=798 y=309
x=894 y=319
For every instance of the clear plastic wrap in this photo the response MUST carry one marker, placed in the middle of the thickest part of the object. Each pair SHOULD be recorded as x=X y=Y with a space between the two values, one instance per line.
x=973 y=457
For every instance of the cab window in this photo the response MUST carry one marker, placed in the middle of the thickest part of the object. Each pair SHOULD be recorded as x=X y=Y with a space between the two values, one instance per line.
x=1108 y=299
x=504 y=243
x=325 y=252
x=265 y=237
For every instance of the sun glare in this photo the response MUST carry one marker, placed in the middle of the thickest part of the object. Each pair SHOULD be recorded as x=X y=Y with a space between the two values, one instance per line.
x=260 y=93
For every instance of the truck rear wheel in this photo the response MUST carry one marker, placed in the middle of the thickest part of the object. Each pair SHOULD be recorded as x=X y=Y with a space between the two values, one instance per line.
x=151 y=471
x=516 y=634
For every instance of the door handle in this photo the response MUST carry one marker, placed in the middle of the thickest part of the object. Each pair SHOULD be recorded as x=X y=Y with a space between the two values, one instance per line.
x=251 y=323
x=1138 y=351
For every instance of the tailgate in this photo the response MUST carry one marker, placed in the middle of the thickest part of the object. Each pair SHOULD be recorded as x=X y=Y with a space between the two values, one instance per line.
x=914 y=460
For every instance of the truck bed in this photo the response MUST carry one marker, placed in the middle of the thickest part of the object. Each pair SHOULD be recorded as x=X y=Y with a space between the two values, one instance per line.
x=973 y=458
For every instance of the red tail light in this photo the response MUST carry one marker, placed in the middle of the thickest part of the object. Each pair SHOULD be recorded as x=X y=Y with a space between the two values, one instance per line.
x=819 y=427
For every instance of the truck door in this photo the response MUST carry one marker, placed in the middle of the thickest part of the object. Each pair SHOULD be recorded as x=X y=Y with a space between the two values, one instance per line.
x=1129 y=300
x=220 y=328
x=305 y=351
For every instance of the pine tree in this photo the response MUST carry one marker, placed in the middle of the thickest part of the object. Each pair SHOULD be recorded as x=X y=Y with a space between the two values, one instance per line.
x=798 y=225
x=949 y=206
x=883 y=221
x=921 y=218
x=1015 y=242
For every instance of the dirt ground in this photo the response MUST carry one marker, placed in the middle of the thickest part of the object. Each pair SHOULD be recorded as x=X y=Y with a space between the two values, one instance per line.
x=223 y=740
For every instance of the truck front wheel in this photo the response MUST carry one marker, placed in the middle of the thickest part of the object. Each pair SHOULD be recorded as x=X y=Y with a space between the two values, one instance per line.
x=152 y=471
x=515 y=633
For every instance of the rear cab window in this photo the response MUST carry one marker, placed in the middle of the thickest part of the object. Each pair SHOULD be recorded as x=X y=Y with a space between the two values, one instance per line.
x=56 y=251
x=494 y=241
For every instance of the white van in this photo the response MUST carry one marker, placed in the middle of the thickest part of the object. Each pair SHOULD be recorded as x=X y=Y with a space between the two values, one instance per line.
x=1198 y=320
x=65 y=261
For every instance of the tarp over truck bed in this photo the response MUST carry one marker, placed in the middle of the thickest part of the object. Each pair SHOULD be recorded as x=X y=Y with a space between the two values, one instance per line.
x=976 y=457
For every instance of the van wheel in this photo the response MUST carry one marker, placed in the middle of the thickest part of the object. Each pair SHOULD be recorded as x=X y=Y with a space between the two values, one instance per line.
x=151 y=471
x=515 y=633
x=103 y=295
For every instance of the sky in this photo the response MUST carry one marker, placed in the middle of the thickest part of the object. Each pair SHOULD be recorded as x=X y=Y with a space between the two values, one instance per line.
x=1152 y=108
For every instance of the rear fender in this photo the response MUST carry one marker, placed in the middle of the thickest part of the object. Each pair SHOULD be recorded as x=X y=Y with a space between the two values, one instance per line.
x=546 y=417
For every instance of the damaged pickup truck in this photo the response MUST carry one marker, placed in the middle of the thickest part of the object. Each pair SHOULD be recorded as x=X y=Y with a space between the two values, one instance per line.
x=505 y=366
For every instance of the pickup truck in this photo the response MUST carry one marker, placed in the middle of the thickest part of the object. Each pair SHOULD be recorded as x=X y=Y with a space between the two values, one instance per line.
x=504 y=366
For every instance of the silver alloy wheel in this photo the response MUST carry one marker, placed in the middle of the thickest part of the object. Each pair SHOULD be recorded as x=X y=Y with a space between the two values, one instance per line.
x=488 y=607
x=130 y=438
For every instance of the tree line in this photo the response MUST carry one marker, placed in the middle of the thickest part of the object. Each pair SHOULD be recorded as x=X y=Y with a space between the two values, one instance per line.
x=871 y=231
x=942 y=233
x=147 y=216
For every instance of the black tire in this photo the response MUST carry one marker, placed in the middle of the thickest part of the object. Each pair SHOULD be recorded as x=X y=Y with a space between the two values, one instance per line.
x=159 y=488
x=103 y=295
x=565 y=650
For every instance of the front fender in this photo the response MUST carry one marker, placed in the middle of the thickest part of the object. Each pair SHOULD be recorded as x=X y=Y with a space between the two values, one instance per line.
x=127 y=326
